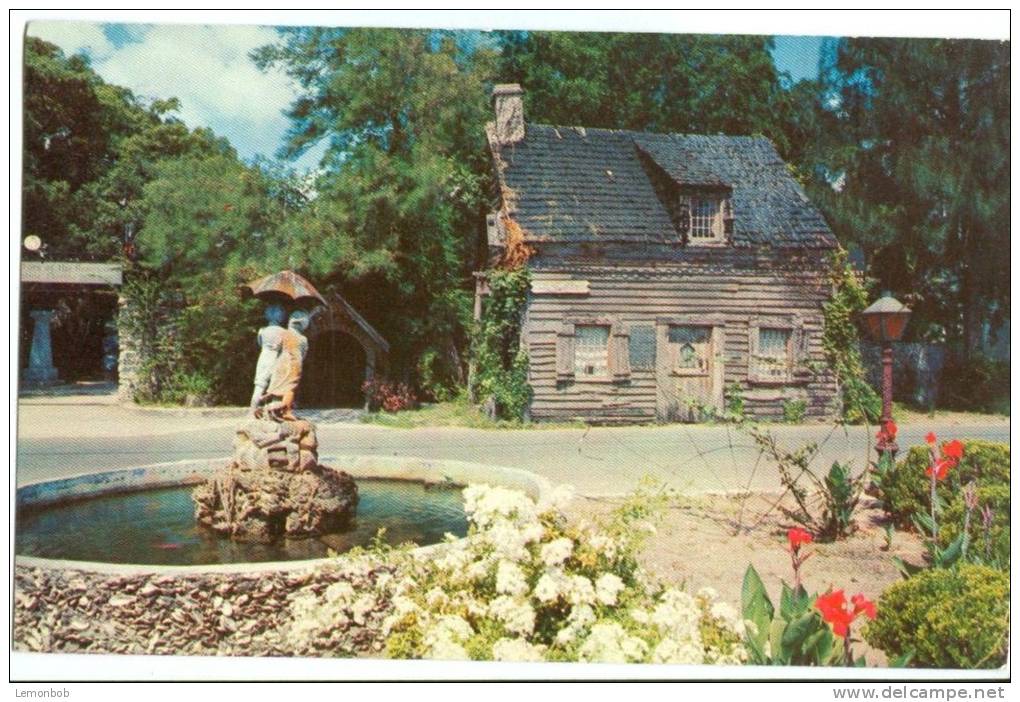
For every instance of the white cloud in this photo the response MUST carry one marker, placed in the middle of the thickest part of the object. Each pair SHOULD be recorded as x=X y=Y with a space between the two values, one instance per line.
x=207 y=67
x=73 y=37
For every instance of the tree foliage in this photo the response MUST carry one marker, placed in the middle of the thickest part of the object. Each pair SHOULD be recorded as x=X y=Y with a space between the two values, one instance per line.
x=691 y=83
x=72 y=121
x=399 y=204
x=911 y=164
x=904 y=144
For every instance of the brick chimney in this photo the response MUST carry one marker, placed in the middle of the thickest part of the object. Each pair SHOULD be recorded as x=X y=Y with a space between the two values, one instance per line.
x=508 y=99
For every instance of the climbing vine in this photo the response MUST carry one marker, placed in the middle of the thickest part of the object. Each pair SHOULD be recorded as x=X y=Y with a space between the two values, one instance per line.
x=500 y=362
x=149 y=323
x=841 y=341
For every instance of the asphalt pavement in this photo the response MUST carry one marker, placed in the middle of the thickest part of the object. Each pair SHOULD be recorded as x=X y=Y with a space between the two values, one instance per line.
x=59 y=437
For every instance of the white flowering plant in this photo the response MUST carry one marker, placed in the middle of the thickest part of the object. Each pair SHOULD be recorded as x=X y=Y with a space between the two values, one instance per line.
x=527 y=585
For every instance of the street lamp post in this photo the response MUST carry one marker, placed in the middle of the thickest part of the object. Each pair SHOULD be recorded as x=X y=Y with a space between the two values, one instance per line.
x=885 y=320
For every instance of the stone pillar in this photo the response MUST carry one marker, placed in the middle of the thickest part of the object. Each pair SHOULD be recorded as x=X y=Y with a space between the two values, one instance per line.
x=369 y=372
x=40 y=356
x=127 y=358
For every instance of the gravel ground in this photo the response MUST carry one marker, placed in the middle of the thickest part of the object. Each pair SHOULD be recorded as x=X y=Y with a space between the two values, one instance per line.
x=71 y=611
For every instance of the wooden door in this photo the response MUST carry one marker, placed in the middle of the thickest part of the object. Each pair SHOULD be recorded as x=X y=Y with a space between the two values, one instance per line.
x=688 y=372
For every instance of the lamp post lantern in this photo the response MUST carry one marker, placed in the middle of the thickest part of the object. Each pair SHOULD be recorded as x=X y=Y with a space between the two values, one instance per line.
x=885 y=320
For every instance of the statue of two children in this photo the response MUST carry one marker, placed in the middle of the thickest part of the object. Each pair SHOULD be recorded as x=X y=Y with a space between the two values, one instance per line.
x=278 y=371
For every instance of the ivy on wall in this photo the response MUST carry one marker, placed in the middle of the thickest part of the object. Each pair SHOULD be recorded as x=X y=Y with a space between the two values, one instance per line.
x=149 y=325
x=841 y=341
x=500 y=362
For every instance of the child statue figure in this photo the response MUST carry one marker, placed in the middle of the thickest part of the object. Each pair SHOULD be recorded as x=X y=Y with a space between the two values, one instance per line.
x=270 y=338
x=286 y=376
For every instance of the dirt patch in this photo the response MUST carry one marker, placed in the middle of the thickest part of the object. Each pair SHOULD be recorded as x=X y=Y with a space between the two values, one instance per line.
x=709 y=540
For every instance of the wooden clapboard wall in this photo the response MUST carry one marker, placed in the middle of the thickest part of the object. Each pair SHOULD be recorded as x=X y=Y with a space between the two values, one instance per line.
x=623 y=288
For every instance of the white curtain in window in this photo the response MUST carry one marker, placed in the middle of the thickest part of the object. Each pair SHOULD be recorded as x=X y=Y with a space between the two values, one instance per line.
x=591 y=350
x=773 y=352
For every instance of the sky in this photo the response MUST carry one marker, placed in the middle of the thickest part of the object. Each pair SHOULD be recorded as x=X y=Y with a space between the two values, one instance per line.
x=208 y=69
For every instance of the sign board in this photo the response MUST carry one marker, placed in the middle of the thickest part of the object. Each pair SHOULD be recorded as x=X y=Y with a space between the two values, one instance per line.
x=560 y=287
x=72 y=273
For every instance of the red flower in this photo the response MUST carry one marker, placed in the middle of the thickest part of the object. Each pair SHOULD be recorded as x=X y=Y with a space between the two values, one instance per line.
x=887 y=432
x=798 y=537
x=834 y=610
x=954 y=450
x=940 y=468
x=930 y=437
x=945 y=460
x=863 y=604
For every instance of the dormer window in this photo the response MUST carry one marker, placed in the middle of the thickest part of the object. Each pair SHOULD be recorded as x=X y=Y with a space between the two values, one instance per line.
x=707 y=219
x=704 y=216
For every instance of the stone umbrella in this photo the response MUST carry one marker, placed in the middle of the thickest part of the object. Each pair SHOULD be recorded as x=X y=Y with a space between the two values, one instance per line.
x=286 y=285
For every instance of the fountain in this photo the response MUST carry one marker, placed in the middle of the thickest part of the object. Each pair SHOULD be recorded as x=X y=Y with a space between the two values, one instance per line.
x=274 y=485
x=203 y=556
x=274 y=503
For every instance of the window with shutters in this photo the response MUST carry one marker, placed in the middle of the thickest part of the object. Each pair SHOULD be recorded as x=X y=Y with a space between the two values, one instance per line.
x=775 y=350
x=591 y=351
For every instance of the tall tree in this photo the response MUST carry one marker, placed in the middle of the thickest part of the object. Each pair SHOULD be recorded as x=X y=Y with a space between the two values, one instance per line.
x=399 y=207
x=90 y=147
x=72 y=123
x=912 y=165
x=652 y=82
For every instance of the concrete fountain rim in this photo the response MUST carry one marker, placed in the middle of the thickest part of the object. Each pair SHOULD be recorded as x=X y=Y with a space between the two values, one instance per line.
x=189 y=471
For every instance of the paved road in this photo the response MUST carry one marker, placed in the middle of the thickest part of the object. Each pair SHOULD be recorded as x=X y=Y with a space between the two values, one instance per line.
x=64 y=438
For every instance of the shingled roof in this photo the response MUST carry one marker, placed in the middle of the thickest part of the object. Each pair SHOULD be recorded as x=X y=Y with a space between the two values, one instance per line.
x=571 y=184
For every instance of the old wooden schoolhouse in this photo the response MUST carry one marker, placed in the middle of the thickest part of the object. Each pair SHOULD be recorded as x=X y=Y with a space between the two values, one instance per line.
x=670 y=273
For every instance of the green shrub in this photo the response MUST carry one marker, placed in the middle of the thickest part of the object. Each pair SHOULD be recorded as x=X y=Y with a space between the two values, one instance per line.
x=996 y=550
x=150 y=334
x=794 y=411
x=905 y=487
x=192 y=389
x=823 y=503
x=735 y=409
x=978 y=384
x=946 y=618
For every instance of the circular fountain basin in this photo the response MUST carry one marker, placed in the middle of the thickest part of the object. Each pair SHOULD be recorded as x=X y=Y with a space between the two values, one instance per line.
x=142 y=519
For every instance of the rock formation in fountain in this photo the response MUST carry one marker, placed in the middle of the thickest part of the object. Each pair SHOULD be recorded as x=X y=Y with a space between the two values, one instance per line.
x=274 y=486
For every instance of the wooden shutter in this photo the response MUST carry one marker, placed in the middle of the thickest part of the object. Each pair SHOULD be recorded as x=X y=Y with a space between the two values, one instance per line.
x=619 y=352
x=565 y=352
x=727 y=217
x=799 y=357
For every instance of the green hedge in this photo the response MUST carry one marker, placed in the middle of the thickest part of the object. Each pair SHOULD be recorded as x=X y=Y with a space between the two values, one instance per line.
x=905 y=488
x=951 y=523
x=947 y=618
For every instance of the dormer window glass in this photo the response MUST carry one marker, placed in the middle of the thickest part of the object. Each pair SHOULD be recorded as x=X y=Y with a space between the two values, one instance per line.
x=706 y=219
